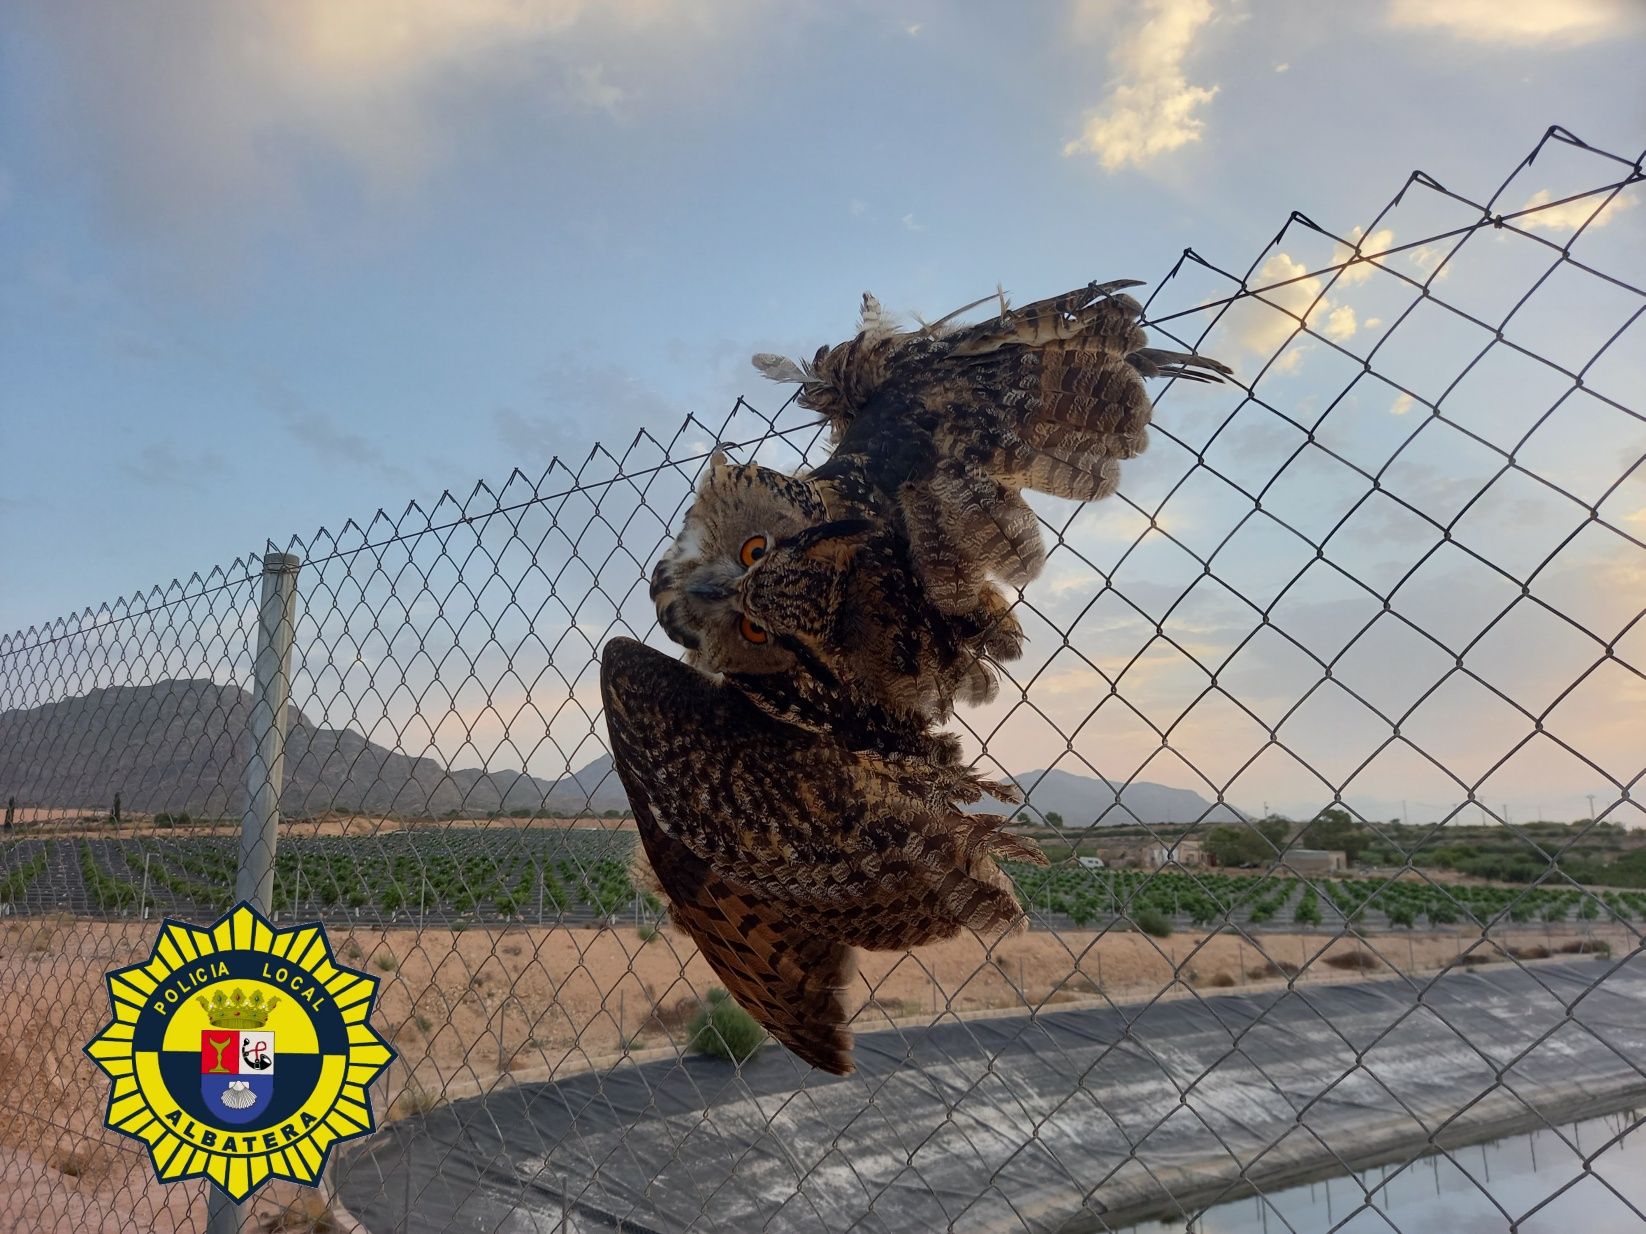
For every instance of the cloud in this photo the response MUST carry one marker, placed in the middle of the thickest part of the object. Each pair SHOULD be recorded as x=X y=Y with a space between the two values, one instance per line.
x=187 y=114
x=324 y=437
x=1340 y=323
x=1380 y=241
x=1402 y=404
x=163 y=465
x=1594 y=210
x=1530 y=23
x=576 y=395
x=586 y=86
x=909 y=223
x=1282 y=67
x=1427 y=259
x=1151 y=106
x=1289 y=293
x=535 y=438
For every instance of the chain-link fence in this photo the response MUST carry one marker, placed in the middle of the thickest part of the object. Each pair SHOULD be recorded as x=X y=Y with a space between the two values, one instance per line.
x=1330 y=722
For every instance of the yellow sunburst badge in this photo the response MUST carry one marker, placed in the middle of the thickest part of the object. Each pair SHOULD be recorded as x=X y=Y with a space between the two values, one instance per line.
x=240 y=1051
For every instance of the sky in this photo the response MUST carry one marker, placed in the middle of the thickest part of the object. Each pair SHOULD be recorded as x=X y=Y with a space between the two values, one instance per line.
x=266 y=268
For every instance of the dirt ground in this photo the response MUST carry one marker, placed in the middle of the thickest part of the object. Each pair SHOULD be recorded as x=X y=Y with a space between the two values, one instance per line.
x=473 y=1009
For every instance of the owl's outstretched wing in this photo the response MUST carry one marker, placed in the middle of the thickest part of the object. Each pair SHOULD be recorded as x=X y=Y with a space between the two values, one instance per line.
x=779 y=848
x=951 y=422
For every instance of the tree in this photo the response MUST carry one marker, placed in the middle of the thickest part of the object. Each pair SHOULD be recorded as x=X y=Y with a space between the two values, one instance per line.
x=1335 y=829
x=1236 y=846
x=1054 y=818
x=1276 y=831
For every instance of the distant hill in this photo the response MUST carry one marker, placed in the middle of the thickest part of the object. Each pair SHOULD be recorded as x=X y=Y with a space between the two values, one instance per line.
x=179 y=745
x=1081 y=800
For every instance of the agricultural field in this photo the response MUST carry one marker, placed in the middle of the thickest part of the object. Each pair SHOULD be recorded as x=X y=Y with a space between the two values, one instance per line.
x=579 y=876
x=574 y=876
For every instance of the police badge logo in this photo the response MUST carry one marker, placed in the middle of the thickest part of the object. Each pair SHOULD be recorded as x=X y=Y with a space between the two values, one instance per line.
x=240 y=1052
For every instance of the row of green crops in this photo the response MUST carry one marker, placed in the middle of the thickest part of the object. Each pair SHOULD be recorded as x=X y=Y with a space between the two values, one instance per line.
x=17 y=882
x=408 y=874
x=1089 y=895
x=105 y=891
x=470 y=872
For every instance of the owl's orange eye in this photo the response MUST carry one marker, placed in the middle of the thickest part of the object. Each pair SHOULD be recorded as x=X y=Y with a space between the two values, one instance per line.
x=751 y=631
x=754 y=548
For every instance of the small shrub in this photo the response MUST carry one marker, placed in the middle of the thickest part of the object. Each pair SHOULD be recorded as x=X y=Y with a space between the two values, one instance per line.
x=1530 y=953
x=385 y=960
x=414 y=1099
x=1587 y=946
x=1274 y=968
x=1153 y=922
x=1222 y=981
x=722 y=1029
x=1356 y=961
x=647 y=933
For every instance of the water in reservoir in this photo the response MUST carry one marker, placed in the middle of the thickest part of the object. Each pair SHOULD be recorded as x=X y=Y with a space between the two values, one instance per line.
x=1537 y=1180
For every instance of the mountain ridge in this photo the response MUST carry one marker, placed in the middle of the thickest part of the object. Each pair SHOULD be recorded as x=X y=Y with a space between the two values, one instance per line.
x=179 y=744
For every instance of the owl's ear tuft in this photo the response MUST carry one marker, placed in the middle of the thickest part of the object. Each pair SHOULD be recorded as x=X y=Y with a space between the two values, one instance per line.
x=874 y=319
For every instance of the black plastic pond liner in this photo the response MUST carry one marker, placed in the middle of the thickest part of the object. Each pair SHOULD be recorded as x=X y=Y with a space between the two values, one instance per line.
x=1065 y=1120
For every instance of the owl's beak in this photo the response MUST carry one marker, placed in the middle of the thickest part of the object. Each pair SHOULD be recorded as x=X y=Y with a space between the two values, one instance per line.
x=709 y=591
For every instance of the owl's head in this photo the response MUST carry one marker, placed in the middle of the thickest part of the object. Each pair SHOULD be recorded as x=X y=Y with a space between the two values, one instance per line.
x=716 y=585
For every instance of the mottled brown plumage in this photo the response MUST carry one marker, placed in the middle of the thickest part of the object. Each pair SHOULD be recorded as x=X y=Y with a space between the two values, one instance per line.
x=780 y=848
x=794 y=795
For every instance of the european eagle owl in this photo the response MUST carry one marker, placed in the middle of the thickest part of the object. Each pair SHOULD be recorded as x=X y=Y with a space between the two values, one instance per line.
x=793 y=792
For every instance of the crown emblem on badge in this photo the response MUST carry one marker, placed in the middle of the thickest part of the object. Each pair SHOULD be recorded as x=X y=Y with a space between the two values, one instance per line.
x=236 y=1010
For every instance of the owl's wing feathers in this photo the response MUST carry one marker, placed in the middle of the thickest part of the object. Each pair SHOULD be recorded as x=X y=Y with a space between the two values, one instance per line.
x=777 y=846
x=792 y=981
x=951 y=422
x=1058 y=379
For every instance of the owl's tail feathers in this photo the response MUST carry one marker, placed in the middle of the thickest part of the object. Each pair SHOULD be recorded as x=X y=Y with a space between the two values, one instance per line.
x=790 y=978
x=1186 y=365
x=979 y=895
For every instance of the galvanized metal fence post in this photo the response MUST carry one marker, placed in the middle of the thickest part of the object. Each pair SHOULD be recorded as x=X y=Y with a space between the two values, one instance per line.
x=265 y=774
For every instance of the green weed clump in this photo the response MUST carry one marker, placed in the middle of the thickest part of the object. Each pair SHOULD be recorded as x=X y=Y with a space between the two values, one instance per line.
x=722 y=1029
x=1154 y=923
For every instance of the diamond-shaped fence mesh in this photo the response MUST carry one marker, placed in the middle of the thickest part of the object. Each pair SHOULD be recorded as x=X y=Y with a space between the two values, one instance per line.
x=1391 y=581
